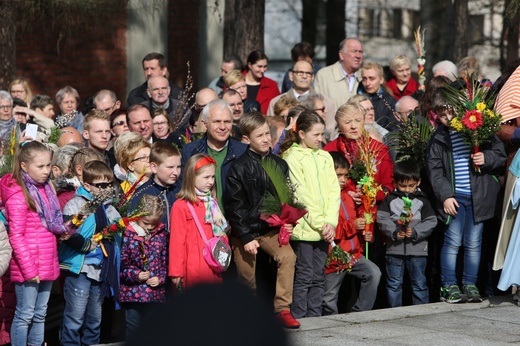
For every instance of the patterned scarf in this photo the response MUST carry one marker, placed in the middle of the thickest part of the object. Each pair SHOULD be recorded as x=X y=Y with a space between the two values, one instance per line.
x=50 y=215
x=349 y=149
x=213 y=214
x=6 y=128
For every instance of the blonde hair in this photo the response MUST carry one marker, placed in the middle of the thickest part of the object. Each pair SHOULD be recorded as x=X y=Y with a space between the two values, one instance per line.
x=161 y=151
x=233 y=77
x=80 y=158
x=374 y=66
x=283 y=103
x=398 y=61
x=95 y=114
x=127 y=146
x=164 y=113
x=356 y=100
x=349 y=108
x=26 y=87
x=151 y=205
x=250 y=122
x=187 y=191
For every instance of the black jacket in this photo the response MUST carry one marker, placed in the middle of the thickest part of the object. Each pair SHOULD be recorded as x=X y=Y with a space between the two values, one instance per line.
x=484 y=185
x=140 y=94
x=247 y=183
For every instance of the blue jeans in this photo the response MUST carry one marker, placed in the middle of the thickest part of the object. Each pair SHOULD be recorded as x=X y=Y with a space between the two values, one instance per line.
x=309 y=278
x=28 y=326
x=366 y=271
x=462 y=230
x=134 y=314
x=416 y=266
x=82 y=314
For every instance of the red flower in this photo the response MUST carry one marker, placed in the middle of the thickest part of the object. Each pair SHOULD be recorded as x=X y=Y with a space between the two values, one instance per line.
x=472 y=119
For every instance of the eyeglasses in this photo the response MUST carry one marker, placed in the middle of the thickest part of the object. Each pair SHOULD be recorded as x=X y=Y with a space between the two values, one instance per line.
x=119 y=123
x=369 y=109
x=301 y=73
x=102 y=185
x=106 y=110
x=160 y=123
x=322 y=109
x=6 y=108
x=142 y=159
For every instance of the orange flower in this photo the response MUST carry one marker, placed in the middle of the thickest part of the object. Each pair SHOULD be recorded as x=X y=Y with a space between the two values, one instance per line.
x=472 y=119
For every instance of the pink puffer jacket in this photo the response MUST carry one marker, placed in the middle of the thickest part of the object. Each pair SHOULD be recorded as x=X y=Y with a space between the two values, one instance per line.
x=35 y=249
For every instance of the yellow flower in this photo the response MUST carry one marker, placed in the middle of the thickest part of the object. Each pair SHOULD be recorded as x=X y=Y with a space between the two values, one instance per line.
x=456 y=124
x=481 y=106
x=489 y=113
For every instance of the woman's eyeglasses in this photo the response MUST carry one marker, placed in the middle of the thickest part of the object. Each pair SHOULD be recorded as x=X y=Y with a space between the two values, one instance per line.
x=142 y=159
x=119 y=123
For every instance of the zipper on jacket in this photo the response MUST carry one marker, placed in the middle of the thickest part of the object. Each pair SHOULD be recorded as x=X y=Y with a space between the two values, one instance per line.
x=452 y=174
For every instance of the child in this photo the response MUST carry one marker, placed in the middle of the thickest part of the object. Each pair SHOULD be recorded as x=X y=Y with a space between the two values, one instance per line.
x=347 y=232
x=464 y=199
x=34 y=217
x=406 y=244
x=242 y=204
x=187 y=267
x=81 y=259
x=144 y=263
x=311 y=170
x=165 y=164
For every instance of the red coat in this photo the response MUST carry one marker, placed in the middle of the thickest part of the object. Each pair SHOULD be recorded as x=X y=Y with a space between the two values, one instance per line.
x=267 y=91
x=186 y=246
x=385 y=165
x=409 y=89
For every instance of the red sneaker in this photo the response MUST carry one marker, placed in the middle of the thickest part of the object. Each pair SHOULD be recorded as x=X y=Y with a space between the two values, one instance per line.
x=287 y=320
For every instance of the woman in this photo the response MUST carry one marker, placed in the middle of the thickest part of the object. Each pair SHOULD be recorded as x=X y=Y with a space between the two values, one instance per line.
x=67 y=100
x=133 y=156
x=259 y=87
x=163 y=129
x=235 y=80
x=374 y=130
x=19 y=88
x=402 y=83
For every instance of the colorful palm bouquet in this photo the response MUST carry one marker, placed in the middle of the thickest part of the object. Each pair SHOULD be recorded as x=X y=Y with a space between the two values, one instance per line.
x=282 y=208
x=90 y=207
x=340 y=257
x=474 y=118
x=421 y=56
x=406 y=213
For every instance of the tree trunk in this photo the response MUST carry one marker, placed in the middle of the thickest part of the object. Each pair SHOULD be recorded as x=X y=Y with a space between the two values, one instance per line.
x=309 y=20
x=335 y=28
x=7 y=44
x=512 y=34
x=460 y=38
x=243 y=27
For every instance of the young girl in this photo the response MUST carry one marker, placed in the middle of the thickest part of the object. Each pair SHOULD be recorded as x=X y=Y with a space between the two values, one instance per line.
x=144 y=263
x=311 y=170
x=187 y=266
x=34 y=217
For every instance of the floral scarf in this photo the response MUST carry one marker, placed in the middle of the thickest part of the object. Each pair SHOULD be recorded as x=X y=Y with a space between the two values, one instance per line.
x=50 y=215
x=213 y=214
x=349 y=148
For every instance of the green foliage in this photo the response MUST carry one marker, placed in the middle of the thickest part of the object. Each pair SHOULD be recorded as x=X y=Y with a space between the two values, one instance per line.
x=357 y=171
x=55 y=135
x=341 y=256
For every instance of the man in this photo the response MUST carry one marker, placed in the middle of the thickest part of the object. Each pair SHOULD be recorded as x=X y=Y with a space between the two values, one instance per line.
x=96 y=131
x=159 y=92
x=139 y=120
x=229 y=63
x=301 y=51
x=217 y=116
x=154 y=64
x=202 y=98
x=405 y=106
x=106 y=100
x=234 y=100
x=70 y=135
x=340 y=80
x=447 y=69
x=372 y=85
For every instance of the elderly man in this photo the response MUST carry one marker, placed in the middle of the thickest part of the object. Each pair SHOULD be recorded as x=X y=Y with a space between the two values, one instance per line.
x=340 y=80
x=159 y=92
x=70 y=135
x=106 y=101
x=139 y=120
x=405 y=106
x=154 y=64
x=217 y=116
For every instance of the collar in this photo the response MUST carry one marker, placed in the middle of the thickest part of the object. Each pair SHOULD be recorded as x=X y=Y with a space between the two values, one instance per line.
x=296 y=95
x=163 y=106
x=217 y=150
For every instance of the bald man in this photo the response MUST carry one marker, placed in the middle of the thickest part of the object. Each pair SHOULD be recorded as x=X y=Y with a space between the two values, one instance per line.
x=70 y=135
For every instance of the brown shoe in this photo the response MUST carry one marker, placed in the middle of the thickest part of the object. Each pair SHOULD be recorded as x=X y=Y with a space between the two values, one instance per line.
x=287 y=320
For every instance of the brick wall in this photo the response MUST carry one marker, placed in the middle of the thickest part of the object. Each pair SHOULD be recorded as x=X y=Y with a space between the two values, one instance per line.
x=88 y=60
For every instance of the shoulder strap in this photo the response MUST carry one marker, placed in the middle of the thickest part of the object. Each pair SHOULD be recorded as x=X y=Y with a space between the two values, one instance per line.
x=197 y=222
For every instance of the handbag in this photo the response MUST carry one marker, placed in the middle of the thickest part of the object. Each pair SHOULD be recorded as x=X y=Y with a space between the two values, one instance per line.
x=216 y=251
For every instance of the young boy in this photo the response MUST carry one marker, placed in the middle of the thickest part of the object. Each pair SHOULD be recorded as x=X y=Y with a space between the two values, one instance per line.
x=247 y=184
x=82 y=258
x=347 y=237
x=165 y=164
x=407 y=231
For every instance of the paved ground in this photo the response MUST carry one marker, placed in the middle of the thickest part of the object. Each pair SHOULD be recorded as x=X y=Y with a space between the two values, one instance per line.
x=496 y=321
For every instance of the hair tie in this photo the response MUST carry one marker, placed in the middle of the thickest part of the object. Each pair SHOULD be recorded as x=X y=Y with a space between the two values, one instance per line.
x=206 y=160
x=294 y=127
x=24 y=143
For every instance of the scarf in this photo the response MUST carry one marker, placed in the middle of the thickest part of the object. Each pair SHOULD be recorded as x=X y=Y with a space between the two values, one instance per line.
x=213 y=214
x=50 y=215
x=349 y=149
x=6 y=128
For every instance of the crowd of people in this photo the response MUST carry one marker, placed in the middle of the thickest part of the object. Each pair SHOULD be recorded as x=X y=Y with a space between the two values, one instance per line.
x=141 y=203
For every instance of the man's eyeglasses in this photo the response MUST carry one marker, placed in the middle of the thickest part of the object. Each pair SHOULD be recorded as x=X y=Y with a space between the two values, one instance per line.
x=322 y=109
x=6 y=108
x=102 y=185
x=301 y=73
x=142 y=159
x=106 y=110
x=119 y=123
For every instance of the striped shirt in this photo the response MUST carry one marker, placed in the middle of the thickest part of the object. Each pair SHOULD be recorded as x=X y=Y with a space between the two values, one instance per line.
x=461 y=162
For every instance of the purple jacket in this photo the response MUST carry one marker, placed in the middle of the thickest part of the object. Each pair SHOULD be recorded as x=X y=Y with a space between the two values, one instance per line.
x=35 y=249
x=155 y=248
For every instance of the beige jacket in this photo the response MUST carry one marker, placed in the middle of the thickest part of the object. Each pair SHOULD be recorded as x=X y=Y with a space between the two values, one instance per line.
x=330 y=81
x=5 y=249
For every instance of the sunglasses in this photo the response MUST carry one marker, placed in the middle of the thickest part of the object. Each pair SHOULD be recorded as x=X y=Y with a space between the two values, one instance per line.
x=102 y=185
x=119 y=123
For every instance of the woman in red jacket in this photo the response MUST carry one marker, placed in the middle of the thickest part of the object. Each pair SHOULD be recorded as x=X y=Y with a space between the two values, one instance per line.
x=259 y=87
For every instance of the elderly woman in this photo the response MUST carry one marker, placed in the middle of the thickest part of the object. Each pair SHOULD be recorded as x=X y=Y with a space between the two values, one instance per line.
x=235 y=80
x=133 y=156
x=375 y=131
x=351 y=118
x=19 y=88
x=67 y=100
x=7 y=121
x=259 y=87
x=402 y=83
